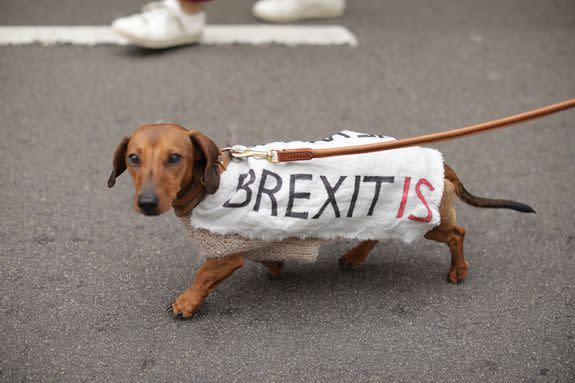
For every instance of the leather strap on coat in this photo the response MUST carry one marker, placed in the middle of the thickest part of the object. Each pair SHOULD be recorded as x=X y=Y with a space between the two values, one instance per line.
x=195 y=194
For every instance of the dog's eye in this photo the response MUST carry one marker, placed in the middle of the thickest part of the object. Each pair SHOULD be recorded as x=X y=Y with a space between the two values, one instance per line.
x=174 y=158
x=134 y=160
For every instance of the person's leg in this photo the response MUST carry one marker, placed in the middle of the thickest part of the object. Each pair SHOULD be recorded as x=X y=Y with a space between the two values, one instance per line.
x=192 y=6
x=164 y=24
x=283 y=11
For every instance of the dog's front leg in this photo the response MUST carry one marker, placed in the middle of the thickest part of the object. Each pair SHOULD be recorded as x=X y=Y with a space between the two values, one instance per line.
x=212 y=272
x=274 y=268
x=353 y=258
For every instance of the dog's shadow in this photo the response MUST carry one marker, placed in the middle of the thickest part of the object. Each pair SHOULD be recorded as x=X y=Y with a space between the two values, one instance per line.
x=391 y=283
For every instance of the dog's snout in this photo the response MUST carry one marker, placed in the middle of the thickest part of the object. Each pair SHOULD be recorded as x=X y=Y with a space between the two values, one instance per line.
x=148 y=203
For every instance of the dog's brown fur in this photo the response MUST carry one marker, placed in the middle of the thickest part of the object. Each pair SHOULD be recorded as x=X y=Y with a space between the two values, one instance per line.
x=154 y=175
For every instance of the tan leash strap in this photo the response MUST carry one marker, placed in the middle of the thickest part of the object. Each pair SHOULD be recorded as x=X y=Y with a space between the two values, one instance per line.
x=287 y=155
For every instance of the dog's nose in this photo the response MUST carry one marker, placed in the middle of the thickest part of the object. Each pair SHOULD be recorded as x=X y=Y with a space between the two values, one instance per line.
x=148 y=202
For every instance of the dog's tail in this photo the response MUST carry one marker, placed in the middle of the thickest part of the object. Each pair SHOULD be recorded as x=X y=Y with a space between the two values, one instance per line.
x=472 y=200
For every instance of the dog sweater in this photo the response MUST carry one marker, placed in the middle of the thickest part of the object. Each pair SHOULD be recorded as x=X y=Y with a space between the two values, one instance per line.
x=211 y=245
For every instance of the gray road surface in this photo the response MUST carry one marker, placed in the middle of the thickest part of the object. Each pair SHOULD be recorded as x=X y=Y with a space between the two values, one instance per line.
x=84 y=281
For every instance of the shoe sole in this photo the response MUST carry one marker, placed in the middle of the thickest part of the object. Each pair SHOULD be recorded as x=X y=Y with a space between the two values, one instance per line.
x=287 y=19
x=156 y=44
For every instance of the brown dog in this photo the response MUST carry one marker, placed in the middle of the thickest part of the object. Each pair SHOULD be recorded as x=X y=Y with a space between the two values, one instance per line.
x=173 y=167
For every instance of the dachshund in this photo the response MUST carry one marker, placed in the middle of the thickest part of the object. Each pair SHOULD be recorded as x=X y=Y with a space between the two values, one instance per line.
x=172 y=167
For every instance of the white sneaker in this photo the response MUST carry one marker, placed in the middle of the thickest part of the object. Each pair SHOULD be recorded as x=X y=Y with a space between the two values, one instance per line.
x=284 y=11
x=161 y=25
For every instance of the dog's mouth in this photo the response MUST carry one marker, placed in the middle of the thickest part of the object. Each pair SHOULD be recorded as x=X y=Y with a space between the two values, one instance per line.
x=149 y=212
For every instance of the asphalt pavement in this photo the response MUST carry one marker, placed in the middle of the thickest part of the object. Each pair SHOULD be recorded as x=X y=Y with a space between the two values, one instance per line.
x=85 y=281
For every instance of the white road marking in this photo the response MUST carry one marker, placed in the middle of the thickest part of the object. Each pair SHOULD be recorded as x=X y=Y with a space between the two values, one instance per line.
x=290 y=35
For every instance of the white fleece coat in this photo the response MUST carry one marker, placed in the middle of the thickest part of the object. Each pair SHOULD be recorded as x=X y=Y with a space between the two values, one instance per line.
x=286 y=210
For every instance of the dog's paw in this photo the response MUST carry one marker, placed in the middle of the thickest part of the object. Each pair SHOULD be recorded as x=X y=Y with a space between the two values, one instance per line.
x=457 y=274
x=183 y=307
x=275 y=270
x=345 y=266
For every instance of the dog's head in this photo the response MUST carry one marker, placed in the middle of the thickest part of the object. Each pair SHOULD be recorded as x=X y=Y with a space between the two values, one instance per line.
x=164 y=161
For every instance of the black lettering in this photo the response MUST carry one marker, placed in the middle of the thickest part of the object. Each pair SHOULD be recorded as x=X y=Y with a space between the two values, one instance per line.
x=330 y=139
x=293 y=195
x=327 y=139
x=342 y=134
x=354 y=196
x=372 y=136
x=245 y=187
x=270 y=192
x=378 y=181
x=330 y=196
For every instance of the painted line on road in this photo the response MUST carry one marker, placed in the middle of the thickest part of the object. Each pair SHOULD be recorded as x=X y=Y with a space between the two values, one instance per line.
x=290 y=35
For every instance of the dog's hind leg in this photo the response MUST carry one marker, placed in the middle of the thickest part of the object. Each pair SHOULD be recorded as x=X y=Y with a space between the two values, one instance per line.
x=210 y=274
x=450 y=233
x=355 y=257
x=454 y=239
x=274 y=268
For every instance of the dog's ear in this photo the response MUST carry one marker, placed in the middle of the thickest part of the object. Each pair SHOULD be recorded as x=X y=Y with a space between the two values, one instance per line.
x=119 y=161
x=210 y=152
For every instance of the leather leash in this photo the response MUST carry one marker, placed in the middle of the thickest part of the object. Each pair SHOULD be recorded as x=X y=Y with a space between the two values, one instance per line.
x=195 y=194
x=287 y=155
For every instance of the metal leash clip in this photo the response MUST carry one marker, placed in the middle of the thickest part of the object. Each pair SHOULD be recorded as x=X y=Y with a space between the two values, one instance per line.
x=240 y=151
